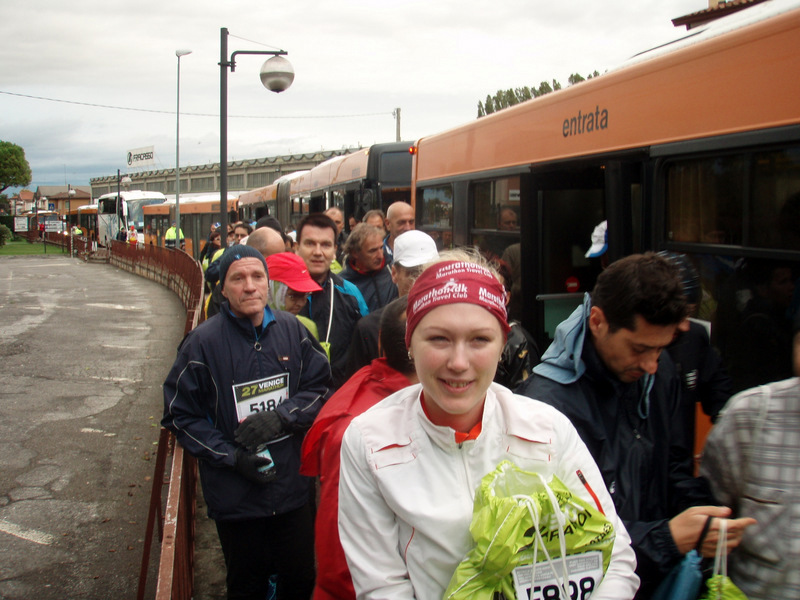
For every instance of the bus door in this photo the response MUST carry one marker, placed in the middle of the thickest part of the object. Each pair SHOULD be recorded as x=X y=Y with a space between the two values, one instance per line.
x=561 y=208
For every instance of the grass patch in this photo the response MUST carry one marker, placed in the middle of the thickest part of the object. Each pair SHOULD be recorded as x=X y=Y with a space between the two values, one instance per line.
x=23 y=248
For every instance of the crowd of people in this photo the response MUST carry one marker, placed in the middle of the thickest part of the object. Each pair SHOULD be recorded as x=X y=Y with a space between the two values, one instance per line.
x=352 y=392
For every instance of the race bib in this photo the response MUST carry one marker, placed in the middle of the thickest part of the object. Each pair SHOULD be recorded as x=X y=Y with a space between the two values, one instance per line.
x=585 y=573
x=260 y=395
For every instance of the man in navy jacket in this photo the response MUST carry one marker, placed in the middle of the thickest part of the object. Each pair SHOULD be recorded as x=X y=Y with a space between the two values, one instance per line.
x=606 y=370
x=245 y=387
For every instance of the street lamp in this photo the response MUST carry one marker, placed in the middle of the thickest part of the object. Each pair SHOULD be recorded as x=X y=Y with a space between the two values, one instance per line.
x=277 y=75
x=178 y=53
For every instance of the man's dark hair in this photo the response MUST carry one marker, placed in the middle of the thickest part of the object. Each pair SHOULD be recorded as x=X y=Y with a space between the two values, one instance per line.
x=393 y=335
x=647 y=285
x=320 y=220
x=245 y=226
x=269 y=221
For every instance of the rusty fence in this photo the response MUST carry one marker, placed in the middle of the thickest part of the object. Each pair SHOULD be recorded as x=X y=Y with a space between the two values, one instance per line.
x=173 y=517
x=80 y=246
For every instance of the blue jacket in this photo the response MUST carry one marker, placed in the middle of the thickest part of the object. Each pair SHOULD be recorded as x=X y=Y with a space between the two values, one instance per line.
x=636 y=434
x=199 y=406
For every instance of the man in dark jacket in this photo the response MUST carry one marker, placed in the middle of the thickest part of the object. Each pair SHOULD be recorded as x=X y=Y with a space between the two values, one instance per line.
x=245 y=387
x=339 y=305
x=366 y=266
x=413 y=249
x=606 y=371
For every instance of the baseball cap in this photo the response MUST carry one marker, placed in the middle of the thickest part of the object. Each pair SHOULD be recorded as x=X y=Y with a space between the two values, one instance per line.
x=289 y=268
x=599 y=241
x=413 y=248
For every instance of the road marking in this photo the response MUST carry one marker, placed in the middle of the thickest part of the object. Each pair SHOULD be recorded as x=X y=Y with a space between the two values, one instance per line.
x=116 y=306
x=120 y=379
x=31 y=535
x=120 y=347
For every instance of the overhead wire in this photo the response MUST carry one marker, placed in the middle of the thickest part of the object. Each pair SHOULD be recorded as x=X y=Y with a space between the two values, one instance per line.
x=191 y=114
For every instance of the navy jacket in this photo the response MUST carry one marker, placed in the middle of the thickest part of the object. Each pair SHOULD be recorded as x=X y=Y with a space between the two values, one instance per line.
x=199 y=406
x=636 y=434
x=336 y=326
x=377 y=287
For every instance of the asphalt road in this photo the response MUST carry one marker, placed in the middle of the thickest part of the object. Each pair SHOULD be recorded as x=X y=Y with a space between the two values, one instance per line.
x=84 y=349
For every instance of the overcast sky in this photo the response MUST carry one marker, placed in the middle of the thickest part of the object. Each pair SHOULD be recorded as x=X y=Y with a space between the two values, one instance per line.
x=355 y=62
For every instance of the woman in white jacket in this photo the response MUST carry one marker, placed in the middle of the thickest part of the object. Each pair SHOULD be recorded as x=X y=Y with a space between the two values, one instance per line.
x=410 y=466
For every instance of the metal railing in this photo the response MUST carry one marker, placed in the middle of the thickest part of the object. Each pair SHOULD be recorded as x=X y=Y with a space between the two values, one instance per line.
x=81 y=246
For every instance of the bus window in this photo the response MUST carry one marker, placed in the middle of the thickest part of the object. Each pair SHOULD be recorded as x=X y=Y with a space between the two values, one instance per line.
x=437 y=214
x=495 y=219
x=775 y=207
x=750 y=200
x=705 y=199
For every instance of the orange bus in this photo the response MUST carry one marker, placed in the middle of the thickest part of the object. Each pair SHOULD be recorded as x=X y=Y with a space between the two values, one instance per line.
x=693 y=147
x=259 y=202
x=370 y=178
x=198 y=213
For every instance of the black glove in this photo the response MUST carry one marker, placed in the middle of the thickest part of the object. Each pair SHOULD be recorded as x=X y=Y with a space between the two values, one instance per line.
x=258 y=429
x=248 y=465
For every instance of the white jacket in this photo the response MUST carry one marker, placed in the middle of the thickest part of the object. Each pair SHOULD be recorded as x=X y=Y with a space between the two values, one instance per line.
x=407 y=488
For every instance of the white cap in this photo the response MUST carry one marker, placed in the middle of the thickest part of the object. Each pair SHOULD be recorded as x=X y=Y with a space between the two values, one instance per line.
x=413 y=248
x=599 y=241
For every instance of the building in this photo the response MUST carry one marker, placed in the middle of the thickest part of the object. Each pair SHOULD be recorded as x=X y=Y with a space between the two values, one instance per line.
x=715 y=10
x=242 y=174
x=57 y=198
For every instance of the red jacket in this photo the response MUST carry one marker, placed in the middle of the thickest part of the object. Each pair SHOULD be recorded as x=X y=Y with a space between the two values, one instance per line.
x=320 y=456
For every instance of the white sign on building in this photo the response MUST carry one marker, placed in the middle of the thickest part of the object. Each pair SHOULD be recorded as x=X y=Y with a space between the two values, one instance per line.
x=141 y=157
x=20 y=223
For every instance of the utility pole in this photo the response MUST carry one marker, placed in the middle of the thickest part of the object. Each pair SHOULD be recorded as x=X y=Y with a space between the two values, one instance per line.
x=396 y=115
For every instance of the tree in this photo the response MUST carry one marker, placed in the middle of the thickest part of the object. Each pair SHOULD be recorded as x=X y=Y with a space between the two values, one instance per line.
x=505 y=98
x=14 y=168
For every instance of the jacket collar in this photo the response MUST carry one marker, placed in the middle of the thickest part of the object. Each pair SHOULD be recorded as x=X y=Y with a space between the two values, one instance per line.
x=245 y=325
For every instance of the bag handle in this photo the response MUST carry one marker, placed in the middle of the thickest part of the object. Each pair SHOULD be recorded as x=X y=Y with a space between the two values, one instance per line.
x=563 y=580
x=721 y=556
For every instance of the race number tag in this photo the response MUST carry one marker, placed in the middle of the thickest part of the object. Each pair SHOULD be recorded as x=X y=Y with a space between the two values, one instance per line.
x=585 y=572
x=260 y=395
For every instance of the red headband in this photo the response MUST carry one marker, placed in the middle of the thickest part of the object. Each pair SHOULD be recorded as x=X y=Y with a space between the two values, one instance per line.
x=451 y=282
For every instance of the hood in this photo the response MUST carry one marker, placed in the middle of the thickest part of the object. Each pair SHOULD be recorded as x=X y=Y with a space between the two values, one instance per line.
x=562 y=361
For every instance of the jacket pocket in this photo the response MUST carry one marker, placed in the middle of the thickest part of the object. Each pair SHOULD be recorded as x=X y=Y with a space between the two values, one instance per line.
x=394 y=454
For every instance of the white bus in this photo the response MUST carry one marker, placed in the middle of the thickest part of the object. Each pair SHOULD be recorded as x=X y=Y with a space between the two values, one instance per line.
x=115 y=213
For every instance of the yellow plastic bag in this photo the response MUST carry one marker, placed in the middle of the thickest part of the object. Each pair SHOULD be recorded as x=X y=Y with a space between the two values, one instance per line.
x=533 y=539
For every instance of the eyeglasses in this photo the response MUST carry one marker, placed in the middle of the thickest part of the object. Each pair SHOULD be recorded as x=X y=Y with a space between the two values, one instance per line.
x=296 y=296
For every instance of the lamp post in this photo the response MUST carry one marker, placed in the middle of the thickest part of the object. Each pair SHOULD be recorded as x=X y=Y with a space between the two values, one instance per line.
x=70 y=196
x=178 y=53
x=277 y=75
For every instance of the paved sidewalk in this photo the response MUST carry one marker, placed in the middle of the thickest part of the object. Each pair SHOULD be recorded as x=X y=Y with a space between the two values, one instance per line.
x=84 y=349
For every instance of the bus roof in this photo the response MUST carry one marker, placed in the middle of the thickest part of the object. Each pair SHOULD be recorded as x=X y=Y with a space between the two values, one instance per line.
x=135 y=195
x=721 y=85
x=263 y=194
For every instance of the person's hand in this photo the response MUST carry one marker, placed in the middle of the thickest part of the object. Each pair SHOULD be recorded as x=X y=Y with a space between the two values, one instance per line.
x=248 y=465
x=687 y=527
x=258 y=429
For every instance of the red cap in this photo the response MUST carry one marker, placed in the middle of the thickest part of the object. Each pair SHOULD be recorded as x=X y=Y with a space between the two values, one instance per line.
x=290 y=269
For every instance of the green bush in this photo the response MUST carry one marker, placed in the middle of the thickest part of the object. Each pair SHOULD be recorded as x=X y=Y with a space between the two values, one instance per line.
x=5 y=235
